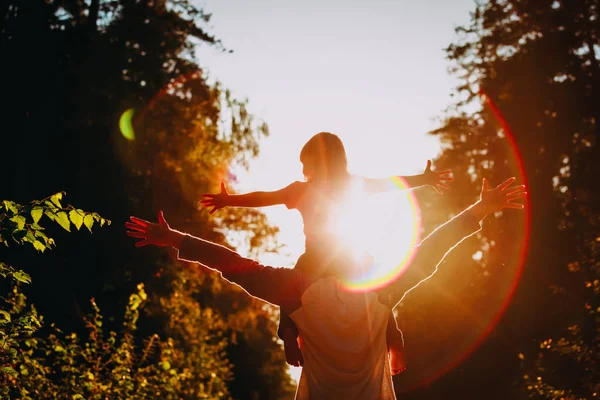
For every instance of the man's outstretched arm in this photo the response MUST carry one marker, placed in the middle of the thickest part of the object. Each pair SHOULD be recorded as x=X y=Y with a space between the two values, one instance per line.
x=279 y=286
x=435 y=247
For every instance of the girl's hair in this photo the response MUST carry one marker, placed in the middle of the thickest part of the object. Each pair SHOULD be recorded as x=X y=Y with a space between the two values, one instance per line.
x=325 y=156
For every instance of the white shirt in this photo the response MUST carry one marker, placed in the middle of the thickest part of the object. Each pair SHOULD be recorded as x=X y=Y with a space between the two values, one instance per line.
x=343 y=342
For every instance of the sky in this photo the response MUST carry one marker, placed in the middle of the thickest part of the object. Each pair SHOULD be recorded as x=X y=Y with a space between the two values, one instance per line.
x=373 y=72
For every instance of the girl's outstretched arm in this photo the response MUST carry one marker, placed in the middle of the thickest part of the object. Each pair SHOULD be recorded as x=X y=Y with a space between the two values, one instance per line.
x=436 y=180
x=253 y=199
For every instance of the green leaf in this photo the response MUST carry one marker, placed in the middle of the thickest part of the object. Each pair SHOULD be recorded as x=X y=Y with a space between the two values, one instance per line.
x=30 y=236
x=4 y=317
x=22 y=276
x=63 y=220
x=59 y=349
x=44 y=240
x=56 y=198
x=50 y=214
x=9 y=371
x=39 y=246
x=165 y=365
x=41 y=234
x=50 y=206
x=88 y=220
x=11 y=206
x=134 y=302
x=142 y=292
x=19 y=220
x=76 y=218
x=36 y=214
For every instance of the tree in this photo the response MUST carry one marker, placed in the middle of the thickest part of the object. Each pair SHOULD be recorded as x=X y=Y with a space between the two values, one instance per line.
x=529 y=73
x=99 y=59
x=58 y=365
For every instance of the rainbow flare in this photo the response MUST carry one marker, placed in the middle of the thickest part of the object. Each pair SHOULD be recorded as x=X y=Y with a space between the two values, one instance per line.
x=488 y=323
x=381 y=272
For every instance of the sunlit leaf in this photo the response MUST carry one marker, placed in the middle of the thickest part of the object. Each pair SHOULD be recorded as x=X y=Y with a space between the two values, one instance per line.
x=30 y=236
x=50 y=205
x=19 y=220
x=41 y=234
x=88 y=220
x=51 y=215
x=4 y=317
x=165 y=365
x=36 y=214
x=11 y=206
x=39 y=246
x=9 y=371
x=22 y=276
x=142 y=292
x=134 y=301
x=56 y=198
x=63 y=220
x=76 y=217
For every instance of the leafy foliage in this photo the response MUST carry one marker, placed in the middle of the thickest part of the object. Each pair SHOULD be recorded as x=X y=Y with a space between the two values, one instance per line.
x=101 y=58
x=531 y=69
x=34 y=365
x=21 y=223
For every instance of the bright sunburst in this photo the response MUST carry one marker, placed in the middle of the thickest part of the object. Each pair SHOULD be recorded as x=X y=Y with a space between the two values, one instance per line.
x=386 y=227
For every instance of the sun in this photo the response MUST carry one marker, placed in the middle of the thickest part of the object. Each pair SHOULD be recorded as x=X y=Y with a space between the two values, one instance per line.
x=385 y=228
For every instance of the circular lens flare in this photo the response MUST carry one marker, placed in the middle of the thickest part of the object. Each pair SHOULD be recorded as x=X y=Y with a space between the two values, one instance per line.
x=387 y=229
x=126 y=124
x=484 y=318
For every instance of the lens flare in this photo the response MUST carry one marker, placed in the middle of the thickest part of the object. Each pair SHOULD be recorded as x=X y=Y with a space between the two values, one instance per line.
x=126 y=124
x=388 y=230
x=482 y=319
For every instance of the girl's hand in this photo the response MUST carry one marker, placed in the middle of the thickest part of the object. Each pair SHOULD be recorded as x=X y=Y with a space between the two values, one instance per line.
x=437 y=180
x=159 y=234
x=216 y=201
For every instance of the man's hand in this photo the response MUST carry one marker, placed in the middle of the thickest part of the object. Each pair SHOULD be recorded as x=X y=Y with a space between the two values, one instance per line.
x=216 y=201
x=159 y=234
x=293 y=354
x=437 y=180
x=498 y=198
